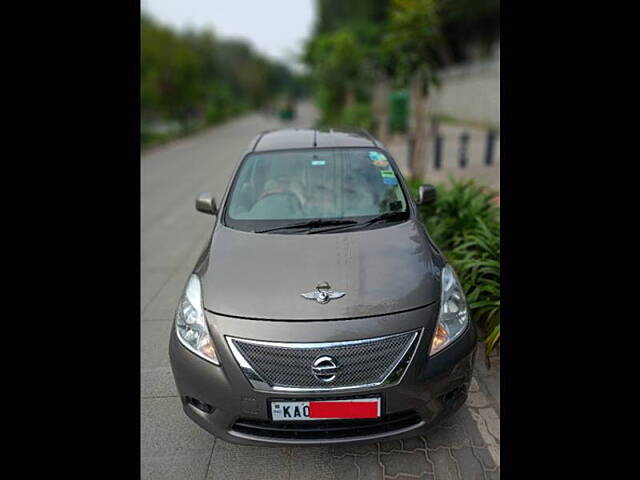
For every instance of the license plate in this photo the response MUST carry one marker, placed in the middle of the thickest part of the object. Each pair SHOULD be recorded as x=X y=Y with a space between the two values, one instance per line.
x=325 y=409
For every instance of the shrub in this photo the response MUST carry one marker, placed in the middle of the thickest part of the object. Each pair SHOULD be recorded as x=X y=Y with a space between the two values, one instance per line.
x=358 y=115
x=465 y=223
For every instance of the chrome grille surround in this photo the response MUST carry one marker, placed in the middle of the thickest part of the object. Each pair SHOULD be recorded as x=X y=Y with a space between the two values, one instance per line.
x=284 y=366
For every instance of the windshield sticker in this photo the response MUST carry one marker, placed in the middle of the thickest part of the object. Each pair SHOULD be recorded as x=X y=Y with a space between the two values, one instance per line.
x=388 y=177
x=379 y=159
x=318 y=162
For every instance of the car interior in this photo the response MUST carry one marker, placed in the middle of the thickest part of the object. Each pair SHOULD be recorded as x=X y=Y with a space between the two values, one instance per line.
x=319 y=185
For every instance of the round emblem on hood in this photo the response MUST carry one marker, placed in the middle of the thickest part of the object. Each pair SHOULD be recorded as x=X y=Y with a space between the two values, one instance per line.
x=325 y=368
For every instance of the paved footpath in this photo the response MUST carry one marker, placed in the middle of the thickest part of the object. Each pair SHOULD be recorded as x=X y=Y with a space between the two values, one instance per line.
x=467 y=446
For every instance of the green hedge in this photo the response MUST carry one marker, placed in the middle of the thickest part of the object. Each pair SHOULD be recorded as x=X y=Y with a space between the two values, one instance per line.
x=464 y=222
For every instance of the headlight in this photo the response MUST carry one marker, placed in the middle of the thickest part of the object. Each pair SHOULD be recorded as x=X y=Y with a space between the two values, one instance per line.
x=191 y=326
x=454 y=313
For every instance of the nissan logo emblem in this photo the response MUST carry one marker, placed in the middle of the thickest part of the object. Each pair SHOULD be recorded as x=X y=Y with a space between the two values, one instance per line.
x=325 y=369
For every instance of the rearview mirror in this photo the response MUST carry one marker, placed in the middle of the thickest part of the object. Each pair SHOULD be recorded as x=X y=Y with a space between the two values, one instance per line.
x=205 y=203
x=426 y=194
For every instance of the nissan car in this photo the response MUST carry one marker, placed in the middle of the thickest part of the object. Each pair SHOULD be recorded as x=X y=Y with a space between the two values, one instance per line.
x=320 y=311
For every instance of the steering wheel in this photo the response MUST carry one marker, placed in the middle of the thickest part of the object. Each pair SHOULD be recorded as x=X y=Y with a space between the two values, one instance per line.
x=271 y=193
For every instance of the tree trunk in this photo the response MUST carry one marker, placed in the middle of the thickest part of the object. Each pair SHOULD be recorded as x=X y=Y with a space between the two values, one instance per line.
x=350 y=98
x=421 y=127
x=381 y=107
x=429 y=135
x=416 y=124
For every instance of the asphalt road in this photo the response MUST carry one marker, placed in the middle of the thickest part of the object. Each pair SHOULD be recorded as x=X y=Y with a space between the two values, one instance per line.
x=172 y=447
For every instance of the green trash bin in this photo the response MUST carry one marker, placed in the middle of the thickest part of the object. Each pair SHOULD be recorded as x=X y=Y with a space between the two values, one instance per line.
x=399 y=114
x=287 y=112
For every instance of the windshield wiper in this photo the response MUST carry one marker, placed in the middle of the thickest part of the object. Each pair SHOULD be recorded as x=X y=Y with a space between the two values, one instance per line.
x=310 y=224
x=384 y=216
x=379 y=218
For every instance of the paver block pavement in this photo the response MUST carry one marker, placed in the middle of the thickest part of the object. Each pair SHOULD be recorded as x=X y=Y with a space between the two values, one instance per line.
x=172 y=246
x=231 y=461
x=345 y=468
x=492 y=421
x=151 y=282
x=447 y=436
x=424 y=476
x=164 y=305
x=156 y=378
x=312 y=462
x=361 y=449
x=413 y=443
x=369 y=467
x=445 y=465
x=391 y=445
x=471 y=467
x=172 y=446
x=491 y=384
x=414 y=464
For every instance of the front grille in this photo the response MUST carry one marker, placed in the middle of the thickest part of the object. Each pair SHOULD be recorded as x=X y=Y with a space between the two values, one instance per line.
x=327 y=429
x=289 y=365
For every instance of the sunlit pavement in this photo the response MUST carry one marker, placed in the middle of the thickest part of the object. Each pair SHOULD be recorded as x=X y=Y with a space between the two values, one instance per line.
x=467 y=446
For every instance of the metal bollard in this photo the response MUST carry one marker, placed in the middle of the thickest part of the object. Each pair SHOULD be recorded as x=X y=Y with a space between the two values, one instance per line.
x=462 y=153
x=411 y=145
x=488 y=153
x=438 y=152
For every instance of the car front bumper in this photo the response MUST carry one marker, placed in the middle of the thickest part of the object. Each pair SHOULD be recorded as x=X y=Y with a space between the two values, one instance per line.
x=222 y=401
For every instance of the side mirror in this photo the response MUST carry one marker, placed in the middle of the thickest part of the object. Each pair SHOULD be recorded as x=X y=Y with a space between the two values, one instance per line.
x=426 y=194
x=205 y=203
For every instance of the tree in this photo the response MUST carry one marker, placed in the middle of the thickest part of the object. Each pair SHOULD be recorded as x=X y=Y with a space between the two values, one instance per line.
x=413 y=40
x=169 y=73
x=467 y=23
x=195 y=78
x=346 y=61
x=336 y=14
x=337 y=61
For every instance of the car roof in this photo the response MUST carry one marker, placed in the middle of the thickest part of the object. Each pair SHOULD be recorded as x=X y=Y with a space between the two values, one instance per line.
x=292 y=138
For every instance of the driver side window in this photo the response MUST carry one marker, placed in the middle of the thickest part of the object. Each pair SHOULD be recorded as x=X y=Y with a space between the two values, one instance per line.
x=269 y=189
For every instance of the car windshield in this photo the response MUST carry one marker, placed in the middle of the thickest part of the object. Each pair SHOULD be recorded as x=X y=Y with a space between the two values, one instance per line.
x=313 y=189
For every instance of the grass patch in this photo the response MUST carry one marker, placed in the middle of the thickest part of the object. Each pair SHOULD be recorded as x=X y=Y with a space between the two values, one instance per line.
x=152 y=139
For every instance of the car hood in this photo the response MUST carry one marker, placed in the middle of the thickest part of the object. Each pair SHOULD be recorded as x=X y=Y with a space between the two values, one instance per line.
x=381 y=271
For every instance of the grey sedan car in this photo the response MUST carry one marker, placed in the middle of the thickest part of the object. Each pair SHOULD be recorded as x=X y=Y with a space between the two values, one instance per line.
x=320 y=311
